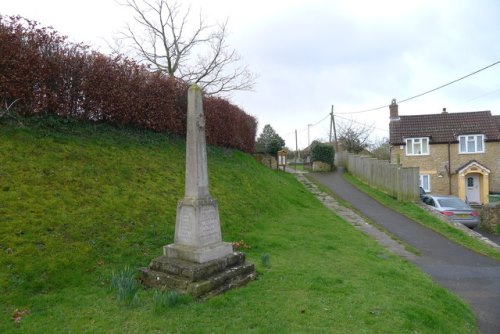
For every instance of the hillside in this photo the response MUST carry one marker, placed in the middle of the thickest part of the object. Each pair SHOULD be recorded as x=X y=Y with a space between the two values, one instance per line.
x=79 y=201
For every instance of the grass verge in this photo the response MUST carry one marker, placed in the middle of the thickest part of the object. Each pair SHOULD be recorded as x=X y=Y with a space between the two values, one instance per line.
x=419 y=215
x=80 y=202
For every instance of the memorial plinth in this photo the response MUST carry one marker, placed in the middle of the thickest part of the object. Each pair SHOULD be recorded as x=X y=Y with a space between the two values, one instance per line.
x=198 y=262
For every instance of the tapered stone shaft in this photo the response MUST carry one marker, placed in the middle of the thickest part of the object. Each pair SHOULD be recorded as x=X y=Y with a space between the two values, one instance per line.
x=197 y=227
x=198 y=262
x=196 y=148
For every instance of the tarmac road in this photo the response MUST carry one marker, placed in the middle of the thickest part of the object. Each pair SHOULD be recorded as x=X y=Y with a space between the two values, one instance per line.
x=472 y=276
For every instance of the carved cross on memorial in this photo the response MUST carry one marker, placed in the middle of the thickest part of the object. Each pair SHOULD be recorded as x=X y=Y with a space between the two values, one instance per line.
x=198 y=262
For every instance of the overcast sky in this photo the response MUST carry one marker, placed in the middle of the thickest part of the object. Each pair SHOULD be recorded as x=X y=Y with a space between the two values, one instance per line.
x=310 y=55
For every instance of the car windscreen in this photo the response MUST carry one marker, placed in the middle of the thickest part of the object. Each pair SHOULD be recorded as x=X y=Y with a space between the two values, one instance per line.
x=452 y=203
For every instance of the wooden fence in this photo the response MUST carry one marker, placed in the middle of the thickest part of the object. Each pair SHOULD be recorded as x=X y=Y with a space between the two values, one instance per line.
x=399 y=182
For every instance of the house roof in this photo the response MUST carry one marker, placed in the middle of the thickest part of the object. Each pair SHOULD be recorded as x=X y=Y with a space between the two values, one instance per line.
x=497 y=119
x=445 y=127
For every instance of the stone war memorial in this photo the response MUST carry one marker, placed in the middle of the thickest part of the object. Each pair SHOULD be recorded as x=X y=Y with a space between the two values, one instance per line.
x=198 y=262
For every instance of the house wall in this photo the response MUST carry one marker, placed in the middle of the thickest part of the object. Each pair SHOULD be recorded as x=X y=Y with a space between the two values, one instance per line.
x=435 y=164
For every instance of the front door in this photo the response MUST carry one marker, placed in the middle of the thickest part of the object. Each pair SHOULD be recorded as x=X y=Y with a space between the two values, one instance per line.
x=472 y=190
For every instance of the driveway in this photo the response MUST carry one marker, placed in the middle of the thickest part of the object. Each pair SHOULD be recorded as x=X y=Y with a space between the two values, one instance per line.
x=473 y=277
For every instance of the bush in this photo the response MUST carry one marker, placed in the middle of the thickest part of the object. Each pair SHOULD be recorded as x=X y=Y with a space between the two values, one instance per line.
x=322 y=152
x=47 y=74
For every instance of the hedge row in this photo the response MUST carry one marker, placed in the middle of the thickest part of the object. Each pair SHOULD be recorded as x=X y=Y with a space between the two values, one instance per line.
x=322 y=152
x=47 y=74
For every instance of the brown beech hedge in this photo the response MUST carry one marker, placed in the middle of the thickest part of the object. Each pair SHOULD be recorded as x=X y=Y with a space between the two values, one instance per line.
x=47 y=74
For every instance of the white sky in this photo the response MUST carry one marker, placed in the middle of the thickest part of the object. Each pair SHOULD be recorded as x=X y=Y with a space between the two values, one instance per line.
x=310 y=55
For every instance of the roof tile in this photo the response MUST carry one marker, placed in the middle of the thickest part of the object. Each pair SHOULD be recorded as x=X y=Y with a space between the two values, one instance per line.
x=445 y=127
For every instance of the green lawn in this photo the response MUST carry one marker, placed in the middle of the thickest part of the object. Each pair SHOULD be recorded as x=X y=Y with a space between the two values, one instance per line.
x=78 y=201
x=416 y=213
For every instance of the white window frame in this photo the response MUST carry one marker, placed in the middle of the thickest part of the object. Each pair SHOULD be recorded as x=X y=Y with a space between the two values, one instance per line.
x=426 y=187
x=476 y=140
x=411 y=146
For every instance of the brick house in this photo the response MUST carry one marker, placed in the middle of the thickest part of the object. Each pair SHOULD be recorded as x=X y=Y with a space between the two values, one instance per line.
x=457 y=153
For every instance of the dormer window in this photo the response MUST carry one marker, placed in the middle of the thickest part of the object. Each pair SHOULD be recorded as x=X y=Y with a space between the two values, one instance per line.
x=417 y=146
x=471 y=144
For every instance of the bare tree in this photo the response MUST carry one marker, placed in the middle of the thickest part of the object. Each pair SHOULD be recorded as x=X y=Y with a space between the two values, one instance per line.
x=185 y=46
x=353 y=136
x=381 y=149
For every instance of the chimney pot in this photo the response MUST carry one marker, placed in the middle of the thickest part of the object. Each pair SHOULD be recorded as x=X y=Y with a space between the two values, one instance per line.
x=393 y=109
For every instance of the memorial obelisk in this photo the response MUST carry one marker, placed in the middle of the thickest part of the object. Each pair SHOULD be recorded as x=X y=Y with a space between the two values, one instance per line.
x=197 y=227
x=198 y=262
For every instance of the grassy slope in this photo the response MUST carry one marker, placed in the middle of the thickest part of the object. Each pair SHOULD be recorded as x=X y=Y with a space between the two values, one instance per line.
x=421 y=216
x=78 y=200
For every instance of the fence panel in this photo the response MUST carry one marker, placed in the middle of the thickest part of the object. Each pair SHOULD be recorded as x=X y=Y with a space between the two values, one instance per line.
x=399 y=182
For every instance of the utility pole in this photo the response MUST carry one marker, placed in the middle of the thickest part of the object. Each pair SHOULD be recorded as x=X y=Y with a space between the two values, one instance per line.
x=308 y=137
x=331 y=126
x=334 y=131
x=296 y=147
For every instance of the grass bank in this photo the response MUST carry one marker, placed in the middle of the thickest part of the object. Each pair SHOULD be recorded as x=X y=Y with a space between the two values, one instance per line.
x=79 y=201
x=416 y=213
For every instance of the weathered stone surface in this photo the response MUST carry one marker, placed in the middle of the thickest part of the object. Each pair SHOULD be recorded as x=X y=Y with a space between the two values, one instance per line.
x=319 y=166
x=195 y=271
x=490 y=217
x=198 y=262
x=197 y=227
x=198 y=279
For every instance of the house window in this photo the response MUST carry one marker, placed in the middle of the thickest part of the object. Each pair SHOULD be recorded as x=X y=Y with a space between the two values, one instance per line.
x=425 y=182
x=471 y=144
x=417 y=146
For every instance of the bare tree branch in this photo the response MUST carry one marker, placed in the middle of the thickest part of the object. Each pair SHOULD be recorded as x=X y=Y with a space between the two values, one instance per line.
x=177 y=43
x=353 y=136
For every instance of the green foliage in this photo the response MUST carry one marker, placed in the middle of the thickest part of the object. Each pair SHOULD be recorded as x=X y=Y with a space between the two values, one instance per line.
x=162 y=300
x=124 y=283
x=265 y=258
x=79 y=199
x=322 y=152
x=269 y=141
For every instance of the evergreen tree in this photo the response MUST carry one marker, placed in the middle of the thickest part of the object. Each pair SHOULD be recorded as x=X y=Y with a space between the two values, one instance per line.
x=269 y=141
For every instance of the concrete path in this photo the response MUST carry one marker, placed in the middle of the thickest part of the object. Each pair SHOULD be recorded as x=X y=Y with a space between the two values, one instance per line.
x=473 y=277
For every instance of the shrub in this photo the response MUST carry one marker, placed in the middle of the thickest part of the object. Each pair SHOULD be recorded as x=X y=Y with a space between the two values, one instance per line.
x=322 y=152
x=47 y=74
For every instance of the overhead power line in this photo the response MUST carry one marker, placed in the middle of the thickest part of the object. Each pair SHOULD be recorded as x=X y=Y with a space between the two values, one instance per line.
x=427 y=92
x=361 y=123
x=401 y=101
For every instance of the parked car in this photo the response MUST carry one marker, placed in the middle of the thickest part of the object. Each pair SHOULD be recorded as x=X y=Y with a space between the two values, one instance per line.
x=453 y=207
x=422 y=192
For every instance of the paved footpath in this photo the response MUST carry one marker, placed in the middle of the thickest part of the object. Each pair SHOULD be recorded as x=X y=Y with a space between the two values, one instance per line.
x=473 y=277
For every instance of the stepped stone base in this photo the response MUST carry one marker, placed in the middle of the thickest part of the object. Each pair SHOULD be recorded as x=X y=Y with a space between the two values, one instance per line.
x=200 y=280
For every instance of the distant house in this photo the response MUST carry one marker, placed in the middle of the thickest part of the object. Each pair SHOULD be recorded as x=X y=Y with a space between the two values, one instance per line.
x=457 y=153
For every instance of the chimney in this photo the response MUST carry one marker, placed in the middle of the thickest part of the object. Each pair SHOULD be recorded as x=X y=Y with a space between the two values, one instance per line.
x=444 y=111
x=393 y=108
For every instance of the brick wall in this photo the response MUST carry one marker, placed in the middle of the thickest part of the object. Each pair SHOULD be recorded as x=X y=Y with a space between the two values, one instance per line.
x=435 y=164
